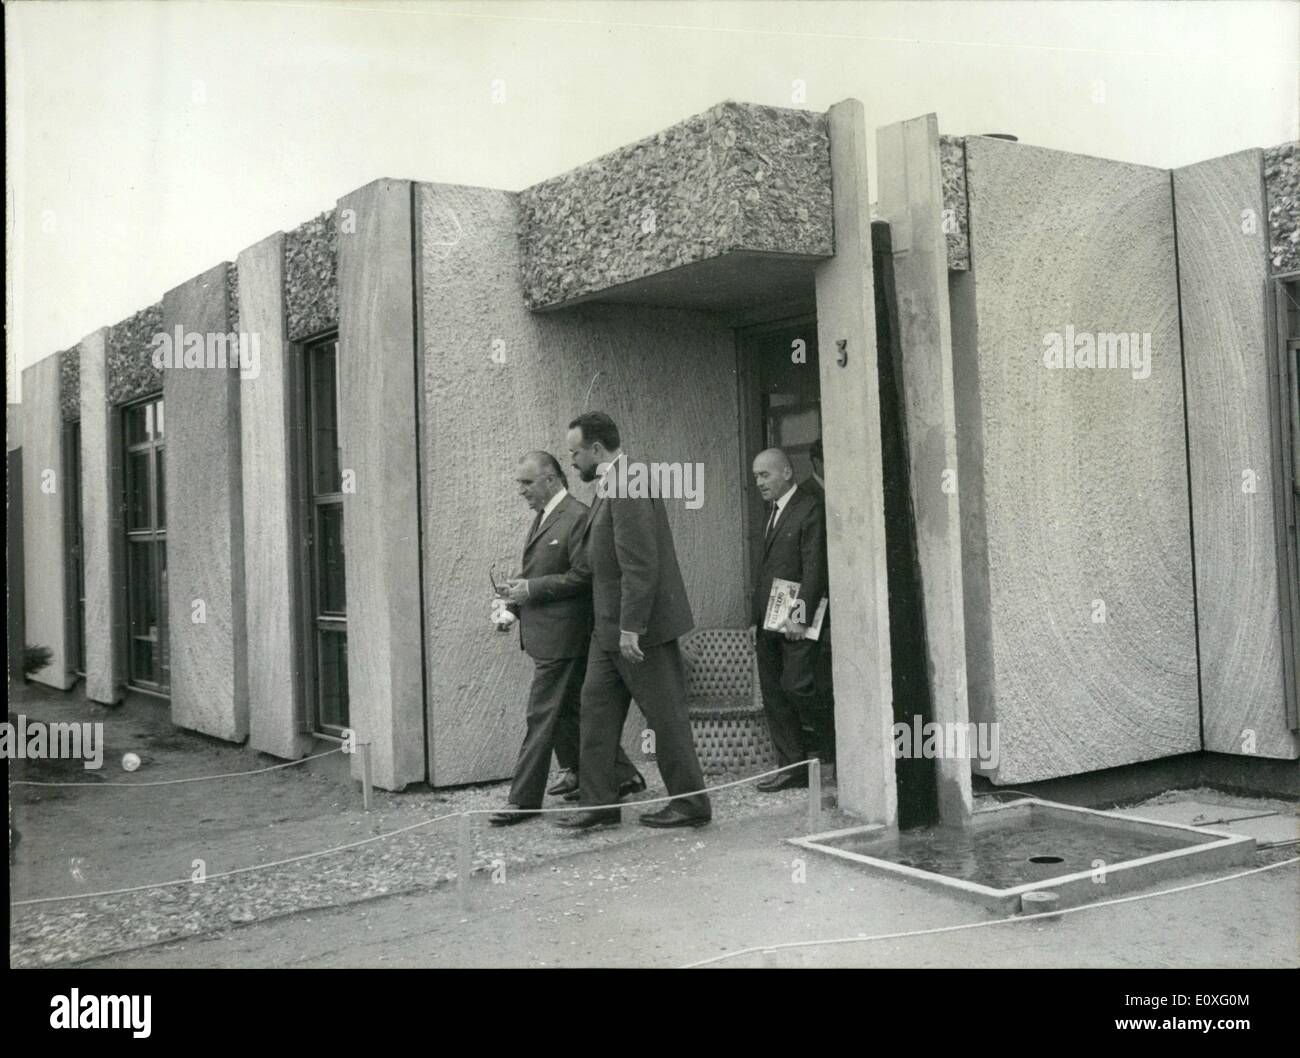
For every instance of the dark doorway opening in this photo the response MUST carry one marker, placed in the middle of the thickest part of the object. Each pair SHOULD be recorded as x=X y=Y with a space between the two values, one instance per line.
x=781 y=407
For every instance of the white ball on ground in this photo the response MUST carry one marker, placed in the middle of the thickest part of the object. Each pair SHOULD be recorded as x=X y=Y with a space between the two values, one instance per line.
x=130 y=762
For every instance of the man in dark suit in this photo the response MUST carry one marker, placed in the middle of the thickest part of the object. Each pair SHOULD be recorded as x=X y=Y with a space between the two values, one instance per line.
x=640 y=611
x=553 y=606
x=794 y=548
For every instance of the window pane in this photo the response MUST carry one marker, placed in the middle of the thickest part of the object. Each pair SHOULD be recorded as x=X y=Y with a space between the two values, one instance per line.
x=324 y=417
x=158 y=422
x=137 y=431
x=161 y=497
x=164 y=644
x=332 y=647
x=143 y=611
x=137 y=490
x=329 y=557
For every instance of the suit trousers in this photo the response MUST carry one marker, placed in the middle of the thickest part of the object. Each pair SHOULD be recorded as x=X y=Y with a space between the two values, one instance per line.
x=553 y=723
x=659 y=686
x=795 y=681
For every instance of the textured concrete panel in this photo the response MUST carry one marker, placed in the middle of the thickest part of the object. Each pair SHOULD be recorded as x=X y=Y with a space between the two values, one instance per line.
x=1223 y=266
x=205 y=536
x=1282 y=189
x=44 y=555
x=498 y=381
x=101 y=520
x=131 y=371
x=952 y=156
x=736 y=177
x=311 y=283
x=271 y=551
x=1083 y=471
x=379 y=444
x=69 y=384
x=913 y=202
x=855 y=525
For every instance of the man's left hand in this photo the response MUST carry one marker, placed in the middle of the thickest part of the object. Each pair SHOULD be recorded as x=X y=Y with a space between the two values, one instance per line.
x=795 y=631
x=629 y=646
x=517 y=591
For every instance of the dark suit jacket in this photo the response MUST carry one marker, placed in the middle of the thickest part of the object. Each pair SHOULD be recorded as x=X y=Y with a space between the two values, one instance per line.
x=555 y=620
x=796 y=551
x=636 y=583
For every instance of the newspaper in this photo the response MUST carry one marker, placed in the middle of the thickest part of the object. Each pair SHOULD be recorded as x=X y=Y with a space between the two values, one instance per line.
x=780 y=603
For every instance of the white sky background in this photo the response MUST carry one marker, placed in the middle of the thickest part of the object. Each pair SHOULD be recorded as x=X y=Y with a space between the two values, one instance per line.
x=149 y=141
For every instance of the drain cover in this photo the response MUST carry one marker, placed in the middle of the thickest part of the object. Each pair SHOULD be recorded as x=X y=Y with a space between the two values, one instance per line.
x=1046 y=859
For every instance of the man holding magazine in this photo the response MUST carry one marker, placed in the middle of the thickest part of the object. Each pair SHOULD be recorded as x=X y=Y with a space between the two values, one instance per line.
x=793 y=624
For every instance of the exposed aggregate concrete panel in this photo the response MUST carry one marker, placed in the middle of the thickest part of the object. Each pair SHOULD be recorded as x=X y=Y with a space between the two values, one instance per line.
x=736 y=177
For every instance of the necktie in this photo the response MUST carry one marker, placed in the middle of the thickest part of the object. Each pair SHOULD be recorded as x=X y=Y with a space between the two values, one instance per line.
x=771 y=522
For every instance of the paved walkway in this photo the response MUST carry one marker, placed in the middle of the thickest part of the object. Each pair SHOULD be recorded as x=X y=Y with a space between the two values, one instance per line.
x=676 y=898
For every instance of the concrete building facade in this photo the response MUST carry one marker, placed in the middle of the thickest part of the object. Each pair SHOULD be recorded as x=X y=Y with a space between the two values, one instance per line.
x=1099 y=559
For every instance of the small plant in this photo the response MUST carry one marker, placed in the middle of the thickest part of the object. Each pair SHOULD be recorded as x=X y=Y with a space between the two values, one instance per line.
x=35 y=659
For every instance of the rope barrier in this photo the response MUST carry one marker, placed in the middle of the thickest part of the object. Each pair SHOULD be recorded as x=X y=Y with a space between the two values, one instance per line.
x=237 y=870
x=175 y=782
x=981 y=925
x=365 y=841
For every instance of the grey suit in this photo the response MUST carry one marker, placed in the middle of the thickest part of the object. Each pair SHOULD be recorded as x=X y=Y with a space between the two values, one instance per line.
x=555 y=631
x=638 y=587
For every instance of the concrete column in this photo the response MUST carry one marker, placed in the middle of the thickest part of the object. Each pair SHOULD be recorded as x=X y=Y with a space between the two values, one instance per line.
x=271 y=550
x=855 y=505
x=205 y=536
x=910 y=191
x=377 y=394
x=101 y=520
x=44 y=555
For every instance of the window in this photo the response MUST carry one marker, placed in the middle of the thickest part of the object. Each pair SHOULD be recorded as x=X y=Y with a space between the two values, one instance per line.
x=74 y=547
x=148 y=655
x=325 y=586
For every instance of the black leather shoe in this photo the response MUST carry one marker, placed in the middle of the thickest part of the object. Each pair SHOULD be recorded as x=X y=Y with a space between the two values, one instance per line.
x=568 y=783
x=591 y=819
x=787 y=780
x=509 y=819
x=632 y=786
x=672 y=816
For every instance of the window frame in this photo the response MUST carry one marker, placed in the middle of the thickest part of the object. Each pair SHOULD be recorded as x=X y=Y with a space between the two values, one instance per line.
x=309 y=505
x=150 y=537
x=1284 y=415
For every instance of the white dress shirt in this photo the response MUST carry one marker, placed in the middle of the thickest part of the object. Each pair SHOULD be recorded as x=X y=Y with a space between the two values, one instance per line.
x=553 y=502
x=780 y=508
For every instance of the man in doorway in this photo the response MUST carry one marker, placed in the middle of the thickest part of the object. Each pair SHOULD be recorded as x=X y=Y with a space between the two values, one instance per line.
x=640 y=612
x=552 y=603
x=793 y=548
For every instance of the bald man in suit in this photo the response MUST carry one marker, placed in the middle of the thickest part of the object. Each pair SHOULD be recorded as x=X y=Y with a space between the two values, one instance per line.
x=552 y=602
x=791 y=666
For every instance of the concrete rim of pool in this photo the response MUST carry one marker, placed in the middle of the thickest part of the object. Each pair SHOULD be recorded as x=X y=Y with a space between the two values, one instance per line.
x=1206 y=850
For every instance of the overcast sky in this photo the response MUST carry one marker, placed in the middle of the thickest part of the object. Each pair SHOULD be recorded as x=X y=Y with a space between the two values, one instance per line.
x=149 y=141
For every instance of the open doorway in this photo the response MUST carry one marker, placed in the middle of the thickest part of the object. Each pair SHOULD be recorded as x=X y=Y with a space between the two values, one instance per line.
x=780 y=386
